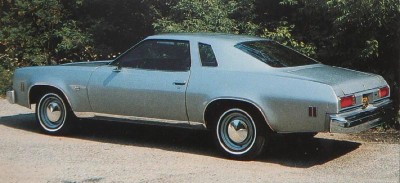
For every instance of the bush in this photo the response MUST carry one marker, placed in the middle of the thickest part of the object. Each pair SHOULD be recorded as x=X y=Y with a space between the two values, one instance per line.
x=5 y=80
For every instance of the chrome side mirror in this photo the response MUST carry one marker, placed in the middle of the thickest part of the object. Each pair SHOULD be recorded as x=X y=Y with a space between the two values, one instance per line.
x=117 y=69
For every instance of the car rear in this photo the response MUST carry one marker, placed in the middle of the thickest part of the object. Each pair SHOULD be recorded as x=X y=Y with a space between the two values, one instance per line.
x=363 y=99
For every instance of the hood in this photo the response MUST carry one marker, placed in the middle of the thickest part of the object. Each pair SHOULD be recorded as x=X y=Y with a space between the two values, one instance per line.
x=343 y=81
x=89 y=63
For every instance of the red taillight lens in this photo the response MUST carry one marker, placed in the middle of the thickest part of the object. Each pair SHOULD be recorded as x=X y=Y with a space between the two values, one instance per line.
x=383 y=92
x=347 y=101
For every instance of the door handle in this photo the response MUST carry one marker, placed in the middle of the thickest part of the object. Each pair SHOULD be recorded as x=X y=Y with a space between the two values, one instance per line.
x=180 y=83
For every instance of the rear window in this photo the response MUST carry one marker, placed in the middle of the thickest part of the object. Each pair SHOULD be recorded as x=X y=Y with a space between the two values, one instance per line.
x=275 y=54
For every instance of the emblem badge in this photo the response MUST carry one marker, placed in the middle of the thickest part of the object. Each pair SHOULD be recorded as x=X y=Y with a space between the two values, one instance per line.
x=365 y=102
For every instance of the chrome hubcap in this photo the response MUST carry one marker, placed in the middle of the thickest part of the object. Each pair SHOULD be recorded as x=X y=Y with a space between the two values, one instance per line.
x=237 y=131
x=53 y=112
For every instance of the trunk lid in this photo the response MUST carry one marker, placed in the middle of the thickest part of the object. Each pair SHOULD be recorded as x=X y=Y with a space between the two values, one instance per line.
x=343 y=81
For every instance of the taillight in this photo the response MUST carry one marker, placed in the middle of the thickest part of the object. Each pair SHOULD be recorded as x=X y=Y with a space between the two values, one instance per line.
x=383 y=92
x=347 y=101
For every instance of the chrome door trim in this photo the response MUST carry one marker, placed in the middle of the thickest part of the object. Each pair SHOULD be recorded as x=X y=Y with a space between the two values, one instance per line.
x=136 y=118
x=140 y=120
x=84 y=114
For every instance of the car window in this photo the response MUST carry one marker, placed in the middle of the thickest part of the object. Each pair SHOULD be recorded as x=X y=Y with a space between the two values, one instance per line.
x=207 y=55
x=168 y=55
x=275 y=54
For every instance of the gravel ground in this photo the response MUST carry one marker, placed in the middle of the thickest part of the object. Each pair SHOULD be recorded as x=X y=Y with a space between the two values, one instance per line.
x=116 y=152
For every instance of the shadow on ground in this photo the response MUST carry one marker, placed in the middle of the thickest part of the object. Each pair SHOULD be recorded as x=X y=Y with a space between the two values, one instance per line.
x=283 y=150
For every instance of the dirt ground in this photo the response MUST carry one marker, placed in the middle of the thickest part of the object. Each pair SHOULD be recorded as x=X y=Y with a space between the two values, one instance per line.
x=116 y=152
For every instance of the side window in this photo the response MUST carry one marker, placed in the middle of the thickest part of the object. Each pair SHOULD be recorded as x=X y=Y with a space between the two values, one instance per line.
x=167 y=55
x=207 y=55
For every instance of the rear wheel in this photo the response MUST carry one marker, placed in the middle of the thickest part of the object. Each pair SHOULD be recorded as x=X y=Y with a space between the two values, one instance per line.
x=239 y=135
x=54 y=114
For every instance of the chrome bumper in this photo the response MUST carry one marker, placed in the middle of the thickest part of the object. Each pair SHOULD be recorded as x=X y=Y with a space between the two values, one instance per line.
x=11 y=96
x=360 y=119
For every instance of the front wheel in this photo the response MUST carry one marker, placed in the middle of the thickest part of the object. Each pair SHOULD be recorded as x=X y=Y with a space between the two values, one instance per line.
x=238 y=135
x=54 y=114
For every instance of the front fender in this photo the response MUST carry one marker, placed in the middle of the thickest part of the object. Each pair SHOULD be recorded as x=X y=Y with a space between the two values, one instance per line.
x=70 y=80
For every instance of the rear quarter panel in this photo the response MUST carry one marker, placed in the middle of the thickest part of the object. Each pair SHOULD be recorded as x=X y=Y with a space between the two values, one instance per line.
x=283 y=98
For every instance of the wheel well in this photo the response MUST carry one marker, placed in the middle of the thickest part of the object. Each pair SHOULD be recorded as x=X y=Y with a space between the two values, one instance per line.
x=36 y=92
x=215 y=108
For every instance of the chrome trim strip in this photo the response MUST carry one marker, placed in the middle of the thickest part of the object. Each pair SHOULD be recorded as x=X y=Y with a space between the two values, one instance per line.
x=358 y=97
x=238 y=99
x=29 y=93
x=196 y=125
x=359 y=120
x=84 y=114
x=140 y=120
x=135 y=118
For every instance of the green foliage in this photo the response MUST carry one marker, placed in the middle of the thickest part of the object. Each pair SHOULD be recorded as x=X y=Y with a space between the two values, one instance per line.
x=224 y=16
x=283 y=35
x=40 y=32
x=370 y=49
x=74 y=44
x=117 y=25
x=379 y=17
x=5 y=80
x=289 y=2
x=352 y=32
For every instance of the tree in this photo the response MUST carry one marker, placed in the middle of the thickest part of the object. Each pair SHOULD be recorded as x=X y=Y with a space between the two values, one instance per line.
x=364 y=35
x=226 y=16
x=119 y=24
x=39 y=32
x=222 y=16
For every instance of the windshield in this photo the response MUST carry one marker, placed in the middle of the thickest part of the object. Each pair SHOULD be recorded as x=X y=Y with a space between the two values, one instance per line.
x=275 y=54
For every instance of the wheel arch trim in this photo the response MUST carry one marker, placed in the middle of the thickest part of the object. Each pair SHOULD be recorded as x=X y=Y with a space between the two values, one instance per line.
x=237 y=100
x=48 y=85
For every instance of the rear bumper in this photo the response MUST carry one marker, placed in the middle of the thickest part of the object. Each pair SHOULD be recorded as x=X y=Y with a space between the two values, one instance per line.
x=360 y=119
x=11 y=96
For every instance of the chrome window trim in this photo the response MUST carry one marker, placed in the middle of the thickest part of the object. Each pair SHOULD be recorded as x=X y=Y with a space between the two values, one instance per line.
x=117 y=62
x=199 y=55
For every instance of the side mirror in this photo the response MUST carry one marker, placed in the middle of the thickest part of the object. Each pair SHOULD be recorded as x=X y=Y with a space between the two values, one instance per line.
x=117 y=69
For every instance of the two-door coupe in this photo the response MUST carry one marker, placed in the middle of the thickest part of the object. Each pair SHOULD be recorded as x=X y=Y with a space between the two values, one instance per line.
x=241 y=88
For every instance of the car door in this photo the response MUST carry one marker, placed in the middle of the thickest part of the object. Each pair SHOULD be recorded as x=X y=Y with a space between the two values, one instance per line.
x=147 y=81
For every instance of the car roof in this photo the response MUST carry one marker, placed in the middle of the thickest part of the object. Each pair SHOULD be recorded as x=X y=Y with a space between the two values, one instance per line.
x=207 y=37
